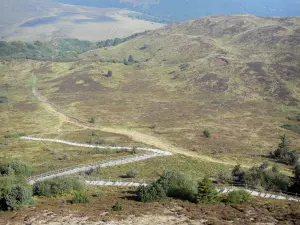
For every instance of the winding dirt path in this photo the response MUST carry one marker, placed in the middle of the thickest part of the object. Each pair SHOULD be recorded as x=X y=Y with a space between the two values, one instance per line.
x=134 y=135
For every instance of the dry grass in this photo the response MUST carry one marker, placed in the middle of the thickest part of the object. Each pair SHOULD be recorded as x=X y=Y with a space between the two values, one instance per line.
x=164 y=212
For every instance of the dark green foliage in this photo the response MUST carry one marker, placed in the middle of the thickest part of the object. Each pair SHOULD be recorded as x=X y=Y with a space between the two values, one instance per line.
x=15 y=193
x=292 y=127
x=125 y=61
x=296 y=186
x=79 y=197
x=117 y=41
x=283 y=153
x=207 y=193
x=238 y=197
x=92 y=120
x=297 y=173
x=17 y=168
x=184 y=66
x=129 y=174
x=153 y=192
x=117 y=207
x=238 y=173
x=170 y=184
x=109 y=73
x=59 y=50
x=3 y=99
x=130 y=59
x=57 y=186
x=268 y=179
x=206 y=133
x=134 y=150
x=178 y=185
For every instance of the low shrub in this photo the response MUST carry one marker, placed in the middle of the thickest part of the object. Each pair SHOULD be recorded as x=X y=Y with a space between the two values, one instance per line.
x=129 y=174
x=18 y=168
x=269 y=179
x=79 y=197
x=170 y=184
x=117 y=207
x=206 y=133
x=57 y=186
x=238 y=197
x=150 y=193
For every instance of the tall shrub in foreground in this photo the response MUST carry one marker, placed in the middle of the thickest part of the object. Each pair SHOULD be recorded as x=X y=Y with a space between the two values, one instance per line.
x=15 y=193
x=207 y=192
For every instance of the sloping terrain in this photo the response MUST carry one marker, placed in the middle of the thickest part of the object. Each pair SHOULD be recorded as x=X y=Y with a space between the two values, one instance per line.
x=237 y=76
x=43 y=20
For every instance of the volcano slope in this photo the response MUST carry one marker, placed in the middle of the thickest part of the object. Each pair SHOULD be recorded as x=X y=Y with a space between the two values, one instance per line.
x=237 y=76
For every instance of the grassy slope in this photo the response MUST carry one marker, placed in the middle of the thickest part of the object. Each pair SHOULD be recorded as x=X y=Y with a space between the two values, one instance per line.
x=243 y=103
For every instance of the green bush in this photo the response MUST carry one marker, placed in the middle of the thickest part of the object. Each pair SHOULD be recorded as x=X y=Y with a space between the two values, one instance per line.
x=129 y=174
x=179 y=186
x=15 y=193
x=15 y=167
x=283 y=153
x=79 y=197
x=207 y=192
x=238 y=197
x=270 y=180
x=57 y=186
x=150 y=193
x=206 y=133
x=117 y=207
x=170 y=184
x=238 y=173
x=292 y=127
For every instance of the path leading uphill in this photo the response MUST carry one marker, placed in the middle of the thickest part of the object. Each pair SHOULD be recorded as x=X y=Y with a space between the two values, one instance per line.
x=134 y=135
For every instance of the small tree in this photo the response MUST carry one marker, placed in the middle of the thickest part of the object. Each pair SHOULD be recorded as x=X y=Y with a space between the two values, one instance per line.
x=134 y=150
x=109 y=73
x=207 y=193
x=92 y=120
x=130 y=59
x=238 y=173
x=206 y=133
x=283 y=152
x=125 y=62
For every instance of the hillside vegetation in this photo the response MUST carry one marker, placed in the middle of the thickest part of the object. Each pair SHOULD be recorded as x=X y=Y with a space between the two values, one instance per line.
x=217 y=92
x=235 y=76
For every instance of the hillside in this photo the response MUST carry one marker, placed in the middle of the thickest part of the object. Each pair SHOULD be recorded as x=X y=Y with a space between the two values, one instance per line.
x=45 y=21
x=211 y=93
x=189 y=9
